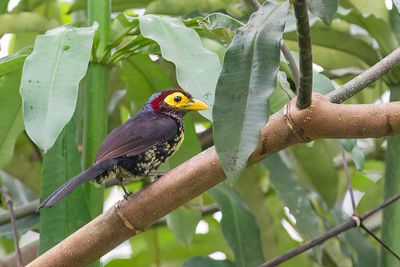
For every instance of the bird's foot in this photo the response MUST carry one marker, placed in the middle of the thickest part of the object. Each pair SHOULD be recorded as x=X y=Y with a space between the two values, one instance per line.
x=127 y=195
x=126 y=192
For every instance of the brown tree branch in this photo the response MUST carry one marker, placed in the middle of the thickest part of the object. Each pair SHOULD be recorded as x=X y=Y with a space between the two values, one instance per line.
x=305 y=54
x=290 y=126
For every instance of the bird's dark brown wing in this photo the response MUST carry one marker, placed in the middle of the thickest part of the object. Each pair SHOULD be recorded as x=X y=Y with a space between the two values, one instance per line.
x=137 y=135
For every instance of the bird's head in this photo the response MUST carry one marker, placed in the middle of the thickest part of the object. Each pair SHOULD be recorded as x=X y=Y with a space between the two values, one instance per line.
x=175 y=101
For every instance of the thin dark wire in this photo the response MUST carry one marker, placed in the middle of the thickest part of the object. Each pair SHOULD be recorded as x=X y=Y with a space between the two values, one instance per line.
x=349 y=187
x=380 y=241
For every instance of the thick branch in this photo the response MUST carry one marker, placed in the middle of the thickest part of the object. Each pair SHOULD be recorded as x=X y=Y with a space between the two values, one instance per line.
x=304 y=39
x=364 y=79
x=195 y=176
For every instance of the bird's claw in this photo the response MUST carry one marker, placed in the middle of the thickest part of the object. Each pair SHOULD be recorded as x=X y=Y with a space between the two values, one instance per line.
x=127 y=195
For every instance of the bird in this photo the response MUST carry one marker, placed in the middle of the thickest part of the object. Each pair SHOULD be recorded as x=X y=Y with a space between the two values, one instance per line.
x=136 y=148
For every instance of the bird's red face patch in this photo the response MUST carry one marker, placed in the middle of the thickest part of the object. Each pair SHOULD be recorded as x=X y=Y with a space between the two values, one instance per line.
x=158 y=103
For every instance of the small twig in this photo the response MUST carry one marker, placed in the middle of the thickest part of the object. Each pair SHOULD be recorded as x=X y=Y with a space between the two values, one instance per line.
x=9 y=201
x=366 y=78
x=291 y=63
x=305 y=54
x=380 y=241
x=355 y=221
x=349 y=187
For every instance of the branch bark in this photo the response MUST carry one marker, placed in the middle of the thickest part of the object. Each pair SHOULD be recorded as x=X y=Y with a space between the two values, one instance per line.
x=290 y=126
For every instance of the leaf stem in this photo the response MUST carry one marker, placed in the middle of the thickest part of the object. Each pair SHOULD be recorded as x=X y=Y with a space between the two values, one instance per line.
x=291 y=63
x=305 y=55
x=10 y=204
x=347 y=174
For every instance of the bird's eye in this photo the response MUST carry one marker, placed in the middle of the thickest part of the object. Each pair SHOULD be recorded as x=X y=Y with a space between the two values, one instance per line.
x=177 y=98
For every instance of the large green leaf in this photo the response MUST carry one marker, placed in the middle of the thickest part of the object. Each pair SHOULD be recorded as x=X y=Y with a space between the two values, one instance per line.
x=323 y=152
x=247 y=79
x=324 y=9
x=341 y=40
x=61 y=163
x=25 y=22
x=239 y=227
x=117 y=5
x=379 y=29
x=50 y=80
x=293 y=195
x=11 y=123
x=183 y=222
x=197 y=69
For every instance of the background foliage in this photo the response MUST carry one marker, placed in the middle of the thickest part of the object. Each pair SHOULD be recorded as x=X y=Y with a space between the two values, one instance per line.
x=266 y=209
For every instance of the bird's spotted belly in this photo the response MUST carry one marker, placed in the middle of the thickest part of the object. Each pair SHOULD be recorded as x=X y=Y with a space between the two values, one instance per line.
x=129 y=169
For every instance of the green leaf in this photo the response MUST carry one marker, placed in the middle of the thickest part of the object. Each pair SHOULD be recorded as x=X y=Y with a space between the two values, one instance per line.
x=117 y=5
x=138 y=74
x=340 y=40
x=183 y=222
x=197 y=68
x=293 y=195
x=235 y=8
x=323 y=152
x=324 y=9
x=348 y=144
x=50 y=80
x=19 y=192
x=377 y=28
x=120 y=26
x=61 y=163
x=322 y=84
x=25 y=22
x=24 y=225
x=3 y=6
x=13 y=62
x=206 y=261
x=247 y=80
x=223 y=25
x=11 y=122
x=239 y=227
x=358 y=158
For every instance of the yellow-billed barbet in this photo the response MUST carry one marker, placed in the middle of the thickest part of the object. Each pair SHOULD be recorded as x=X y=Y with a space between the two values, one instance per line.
x=137 y=148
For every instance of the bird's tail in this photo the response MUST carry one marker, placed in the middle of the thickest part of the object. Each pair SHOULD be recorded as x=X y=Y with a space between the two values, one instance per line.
x=70 y=185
